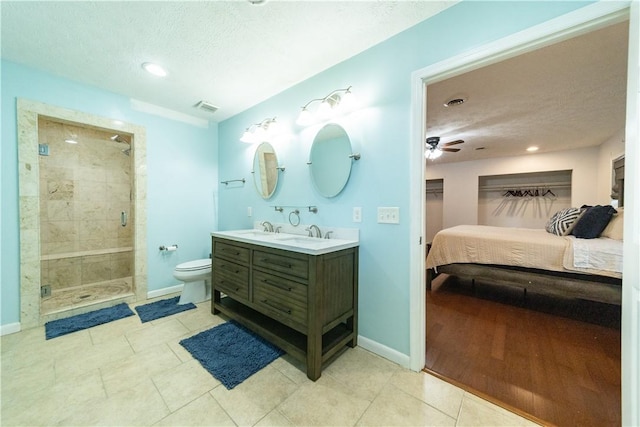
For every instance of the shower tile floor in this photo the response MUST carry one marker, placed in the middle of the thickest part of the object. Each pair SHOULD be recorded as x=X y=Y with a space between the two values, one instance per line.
x=81 y=296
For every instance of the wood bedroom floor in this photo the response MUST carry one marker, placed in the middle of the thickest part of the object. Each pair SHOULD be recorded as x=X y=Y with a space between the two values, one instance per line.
x=555 y=360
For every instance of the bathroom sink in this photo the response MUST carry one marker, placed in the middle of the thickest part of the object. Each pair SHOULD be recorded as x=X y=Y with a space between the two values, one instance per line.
x=254 y=232
x=291 y=242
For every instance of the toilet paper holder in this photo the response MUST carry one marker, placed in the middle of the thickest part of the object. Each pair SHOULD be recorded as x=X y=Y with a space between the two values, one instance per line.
x=168 y=248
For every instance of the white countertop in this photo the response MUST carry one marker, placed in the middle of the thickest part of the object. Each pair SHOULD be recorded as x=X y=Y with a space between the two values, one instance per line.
x=289 y=242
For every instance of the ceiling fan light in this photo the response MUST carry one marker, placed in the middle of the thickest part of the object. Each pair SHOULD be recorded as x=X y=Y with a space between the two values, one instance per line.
x=433 y=153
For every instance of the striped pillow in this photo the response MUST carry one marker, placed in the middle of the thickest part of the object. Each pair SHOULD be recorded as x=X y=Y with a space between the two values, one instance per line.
x=562 y=222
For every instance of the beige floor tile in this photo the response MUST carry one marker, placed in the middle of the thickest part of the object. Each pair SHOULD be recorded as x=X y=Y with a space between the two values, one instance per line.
x=123 y=374
x=156 y=334
x=184 y=383
x=109 y=331
x=203 y=411
x=478 y=412
x=393 y=407
x=18 y=384
x=93 y=357
x=258 y=395
x=293 y=369
x=50 y=405
x=325 y=402
x=362 y=371
x=431 y=390
x=140 y=405
x=199 y=320
x=273 y=419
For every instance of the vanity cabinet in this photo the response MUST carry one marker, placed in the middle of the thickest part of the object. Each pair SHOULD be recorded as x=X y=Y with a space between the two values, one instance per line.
x=304 y=304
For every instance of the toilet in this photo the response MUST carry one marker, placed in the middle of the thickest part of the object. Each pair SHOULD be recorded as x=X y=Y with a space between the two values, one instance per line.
x=196 y=276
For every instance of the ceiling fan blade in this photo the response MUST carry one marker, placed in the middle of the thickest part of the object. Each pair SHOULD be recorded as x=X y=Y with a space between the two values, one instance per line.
x=459 y=141
x=451 y=150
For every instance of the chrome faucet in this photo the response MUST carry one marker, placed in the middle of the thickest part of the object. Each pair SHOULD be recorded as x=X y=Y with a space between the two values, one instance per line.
x=268 y=227
x=327 y=234
x=314 y=227
x=278 y=228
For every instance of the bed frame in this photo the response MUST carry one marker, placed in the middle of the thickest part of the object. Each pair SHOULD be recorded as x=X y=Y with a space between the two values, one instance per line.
x=568 y=285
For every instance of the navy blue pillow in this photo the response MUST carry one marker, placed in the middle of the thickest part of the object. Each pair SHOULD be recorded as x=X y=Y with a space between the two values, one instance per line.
x=593 y=221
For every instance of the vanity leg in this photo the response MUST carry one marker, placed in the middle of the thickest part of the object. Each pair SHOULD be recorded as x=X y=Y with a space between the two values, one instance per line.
x=214 y=300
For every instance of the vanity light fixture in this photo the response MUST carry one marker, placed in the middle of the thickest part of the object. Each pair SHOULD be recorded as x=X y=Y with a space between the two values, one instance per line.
x=338 y=99
x=260 y=132
x=154 y=69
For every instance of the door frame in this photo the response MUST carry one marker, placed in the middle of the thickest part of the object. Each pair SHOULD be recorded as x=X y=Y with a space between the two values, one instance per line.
x=586 y=19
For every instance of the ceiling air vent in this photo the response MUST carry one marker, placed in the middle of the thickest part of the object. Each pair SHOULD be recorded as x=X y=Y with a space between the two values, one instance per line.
x=206 y=106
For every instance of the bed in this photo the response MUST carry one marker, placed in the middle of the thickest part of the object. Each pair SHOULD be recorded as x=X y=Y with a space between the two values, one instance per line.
x=533 y=259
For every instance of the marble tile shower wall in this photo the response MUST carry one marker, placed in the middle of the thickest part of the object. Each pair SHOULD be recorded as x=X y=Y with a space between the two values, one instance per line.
x=83 y=189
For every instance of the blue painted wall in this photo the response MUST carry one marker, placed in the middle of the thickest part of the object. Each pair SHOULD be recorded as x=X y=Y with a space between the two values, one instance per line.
x=379 y=128
x=182 y=178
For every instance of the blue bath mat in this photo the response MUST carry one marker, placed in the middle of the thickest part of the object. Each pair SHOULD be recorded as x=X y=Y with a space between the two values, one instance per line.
x=56 y=328
x=162 y=308
x=231 y=353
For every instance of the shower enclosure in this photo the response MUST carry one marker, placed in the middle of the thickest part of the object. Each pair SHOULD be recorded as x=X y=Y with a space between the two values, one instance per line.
x=86 y=215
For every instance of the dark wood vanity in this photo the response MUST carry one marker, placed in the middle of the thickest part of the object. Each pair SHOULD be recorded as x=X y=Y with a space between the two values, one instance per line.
x=305 y=304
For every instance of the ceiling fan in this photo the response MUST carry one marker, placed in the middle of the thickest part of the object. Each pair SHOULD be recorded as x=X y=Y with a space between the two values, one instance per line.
x=434 y=151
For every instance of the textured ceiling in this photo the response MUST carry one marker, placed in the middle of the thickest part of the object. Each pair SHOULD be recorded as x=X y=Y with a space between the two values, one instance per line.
x=230 y=53
x=568 y=95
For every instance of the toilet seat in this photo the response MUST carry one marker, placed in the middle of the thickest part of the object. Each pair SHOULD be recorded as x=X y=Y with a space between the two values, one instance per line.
x=196 y=265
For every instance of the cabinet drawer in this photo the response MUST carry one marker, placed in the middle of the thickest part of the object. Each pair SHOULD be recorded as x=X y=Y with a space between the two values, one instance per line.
x=283 y=299
x=230 y=278
x=228 y=251
x=281 y=263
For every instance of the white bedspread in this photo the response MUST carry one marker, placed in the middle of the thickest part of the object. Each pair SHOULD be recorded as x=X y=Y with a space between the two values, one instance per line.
x=601 y=254
x=520 y=247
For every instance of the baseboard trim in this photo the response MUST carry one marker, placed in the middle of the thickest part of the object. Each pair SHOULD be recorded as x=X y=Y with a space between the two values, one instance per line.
x=165 y=291
x=384 y=351
x=11 y=328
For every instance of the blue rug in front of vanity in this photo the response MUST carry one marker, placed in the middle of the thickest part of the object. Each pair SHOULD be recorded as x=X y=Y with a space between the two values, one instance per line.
x=162 y=308
x=56 y=328
x=231 y=353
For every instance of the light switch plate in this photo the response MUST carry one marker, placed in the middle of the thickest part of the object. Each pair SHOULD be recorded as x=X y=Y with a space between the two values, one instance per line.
x=389 y=215
x=249 y=211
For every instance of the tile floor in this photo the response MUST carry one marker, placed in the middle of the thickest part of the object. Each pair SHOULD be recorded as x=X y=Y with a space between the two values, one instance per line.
x=130 y=373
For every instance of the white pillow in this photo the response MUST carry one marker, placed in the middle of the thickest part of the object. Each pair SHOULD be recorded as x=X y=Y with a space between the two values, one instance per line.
x=563 y=221
x=614 y=229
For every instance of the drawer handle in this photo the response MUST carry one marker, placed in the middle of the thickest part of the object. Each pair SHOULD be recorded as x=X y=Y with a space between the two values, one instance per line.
x=277 y=285
x=230 y=250
x=230 y=268
x=280 y=263
x=222 y=282
x=276 y=306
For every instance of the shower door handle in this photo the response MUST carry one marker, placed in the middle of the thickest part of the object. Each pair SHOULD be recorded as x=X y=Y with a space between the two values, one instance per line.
x=123 y=218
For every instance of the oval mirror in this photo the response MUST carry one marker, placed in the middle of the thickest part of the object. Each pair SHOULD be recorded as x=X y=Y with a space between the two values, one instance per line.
x=265 y=170
x=330 y=160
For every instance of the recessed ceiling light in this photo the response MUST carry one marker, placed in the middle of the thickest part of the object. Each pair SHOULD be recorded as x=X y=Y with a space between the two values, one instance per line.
x=71 y=141
x=532 y=149
x=154 y=69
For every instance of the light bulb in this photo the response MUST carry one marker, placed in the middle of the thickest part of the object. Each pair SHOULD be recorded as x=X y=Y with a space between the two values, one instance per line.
x=348 y=101
x=324 y=110
x=305 y=118
x=433 y=153
x=247 y=137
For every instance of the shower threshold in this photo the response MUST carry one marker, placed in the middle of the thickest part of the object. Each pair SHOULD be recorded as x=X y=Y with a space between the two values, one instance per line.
x=82 y=296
